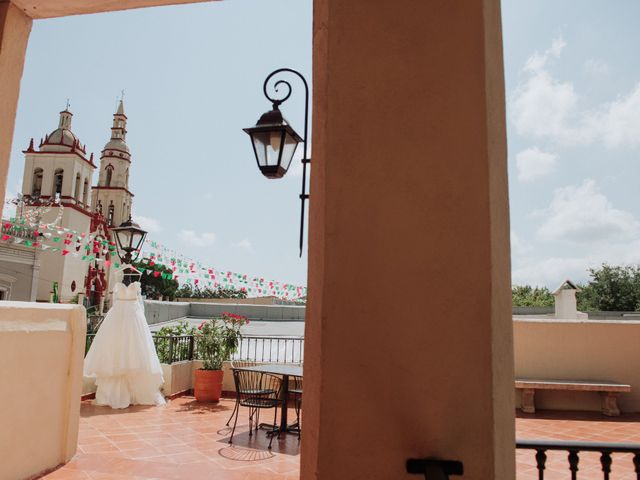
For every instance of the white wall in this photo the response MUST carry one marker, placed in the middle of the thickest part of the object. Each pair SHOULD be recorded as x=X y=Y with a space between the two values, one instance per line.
x=41 y=358
x=579 y=350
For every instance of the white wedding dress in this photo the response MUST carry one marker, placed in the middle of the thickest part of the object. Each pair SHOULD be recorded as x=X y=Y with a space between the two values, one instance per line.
x=122 y=357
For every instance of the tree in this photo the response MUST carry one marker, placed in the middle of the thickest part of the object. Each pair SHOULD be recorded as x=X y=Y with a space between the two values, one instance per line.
x=154 y=286
x=528 y=296
x=187 y=291
x=611 y=288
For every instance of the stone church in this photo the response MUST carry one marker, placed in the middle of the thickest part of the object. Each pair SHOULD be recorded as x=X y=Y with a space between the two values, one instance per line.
x=57 y=189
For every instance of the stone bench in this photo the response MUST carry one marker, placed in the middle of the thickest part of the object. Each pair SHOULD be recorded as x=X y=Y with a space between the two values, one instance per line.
x=609 y=391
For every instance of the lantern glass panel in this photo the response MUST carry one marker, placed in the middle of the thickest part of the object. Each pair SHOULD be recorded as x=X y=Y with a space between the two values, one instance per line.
x=289 y=148
x=124 y=239
x=136 y=241
x=267 y=145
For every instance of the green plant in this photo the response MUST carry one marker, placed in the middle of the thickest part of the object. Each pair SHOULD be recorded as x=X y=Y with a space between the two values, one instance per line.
x=528 y=296
x=164 y=344
x=219 y=338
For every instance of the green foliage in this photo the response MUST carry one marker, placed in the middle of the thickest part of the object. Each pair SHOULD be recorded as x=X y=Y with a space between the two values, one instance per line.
x=611 y=288
x=218 y=339
x=155 y=287
x=187 y=291
x=528 y=296
x=163 y=342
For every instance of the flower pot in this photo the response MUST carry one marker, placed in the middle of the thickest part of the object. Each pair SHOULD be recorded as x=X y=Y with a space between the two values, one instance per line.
x=208 y=385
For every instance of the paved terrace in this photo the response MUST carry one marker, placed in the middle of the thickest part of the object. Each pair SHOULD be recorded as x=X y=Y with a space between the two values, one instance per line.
x=188 y=440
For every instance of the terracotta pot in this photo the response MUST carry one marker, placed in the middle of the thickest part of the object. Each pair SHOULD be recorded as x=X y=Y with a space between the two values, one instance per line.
x=208 y=385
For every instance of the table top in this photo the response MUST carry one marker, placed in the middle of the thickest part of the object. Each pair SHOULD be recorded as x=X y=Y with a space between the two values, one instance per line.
x=277 y=369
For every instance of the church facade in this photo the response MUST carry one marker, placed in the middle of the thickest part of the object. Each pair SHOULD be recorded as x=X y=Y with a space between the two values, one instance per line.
x=58 y=174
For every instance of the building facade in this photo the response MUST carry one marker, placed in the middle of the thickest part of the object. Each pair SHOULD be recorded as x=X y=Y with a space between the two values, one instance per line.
x=57 y=190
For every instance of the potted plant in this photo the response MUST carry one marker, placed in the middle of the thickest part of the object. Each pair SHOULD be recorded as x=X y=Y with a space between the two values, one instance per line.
x=217 y=339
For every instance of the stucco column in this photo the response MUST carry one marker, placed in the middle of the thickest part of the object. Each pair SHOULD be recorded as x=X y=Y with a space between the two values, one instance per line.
x=408 y=333
x=15 y=27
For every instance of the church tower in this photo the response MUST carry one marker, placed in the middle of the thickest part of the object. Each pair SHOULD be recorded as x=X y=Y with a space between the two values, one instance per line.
x=111 y=196
x=58 y=174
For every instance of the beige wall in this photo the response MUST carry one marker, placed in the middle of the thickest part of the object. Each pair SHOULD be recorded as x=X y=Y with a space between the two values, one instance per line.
x=40 y=401
x=578 y=350
x=14 y=34
x=409 y=183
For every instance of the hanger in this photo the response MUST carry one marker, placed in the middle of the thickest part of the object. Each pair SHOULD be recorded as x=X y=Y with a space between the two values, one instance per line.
x=133 y=271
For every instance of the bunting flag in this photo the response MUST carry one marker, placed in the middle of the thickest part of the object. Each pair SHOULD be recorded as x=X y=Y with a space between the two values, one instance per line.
x=87 y=247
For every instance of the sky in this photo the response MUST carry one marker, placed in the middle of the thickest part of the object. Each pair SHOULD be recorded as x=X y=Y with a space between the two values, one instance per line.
x=193 y=74
x=573 y=119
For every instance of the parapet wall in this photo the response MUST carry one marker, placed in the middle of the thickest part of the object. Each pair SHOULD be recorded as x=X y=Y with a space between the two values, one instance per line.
x=253 y=312
x=41 y=357
x=579 y=350
x=160 y=312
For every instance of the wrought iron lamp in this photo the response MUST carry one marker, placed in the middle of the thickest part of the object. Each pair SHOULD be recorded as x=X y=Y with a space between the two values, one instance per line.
x=129 y=237
x=274 y=140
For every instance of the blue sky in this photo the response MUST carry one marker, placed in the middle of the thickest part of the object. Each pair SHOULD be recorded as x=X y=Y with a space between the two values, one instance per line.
x=193 y=77
x=573 y=103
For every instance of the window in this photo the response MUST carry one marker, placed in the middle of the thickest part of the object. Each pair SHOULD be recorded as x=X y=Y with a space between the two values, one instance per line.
x=85 y=192
x=109 y=175
x=76 y=193
x=110 y=215
x=36 y=186
x=58 y=178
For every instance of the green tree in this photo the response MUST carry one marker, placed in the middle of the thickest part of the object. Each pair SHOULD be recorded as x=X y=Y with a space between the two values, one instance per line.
x=155 y=285
x=528 y=296
x=611 y=288
x=188 y=291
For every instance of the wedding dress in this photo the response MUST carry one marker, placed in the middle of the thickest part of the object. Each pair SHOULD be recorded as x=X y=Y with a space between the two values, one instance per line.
x=122 y=357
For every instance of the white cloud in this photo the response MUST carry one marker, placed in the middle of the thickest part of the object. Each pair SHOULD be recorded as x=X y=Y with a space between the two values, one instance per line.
x=149 y=224
x=582 y=214
x=533 y=163
x=244 y=244
x=519 y=246
x=551 y=271
x=204 y=239
x=619 y=123
x=542 y=106
x=596 y=66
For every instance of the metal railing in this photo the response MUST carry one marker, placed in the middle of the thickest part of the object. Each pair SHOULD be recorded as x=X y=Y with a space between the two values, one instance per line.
x=573 y=450
x=173 y=349
x=271 y=349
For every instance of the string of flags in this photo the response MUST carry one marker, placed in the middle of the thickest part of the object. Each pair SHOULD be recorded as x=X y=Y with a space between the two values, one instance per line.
x=91 y=247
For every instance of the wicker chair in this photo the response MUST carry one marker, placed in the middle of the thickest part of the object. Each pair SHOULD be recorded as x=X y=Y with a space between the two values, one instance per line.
x=296 y=394
x=239 y=364
x=257 y=391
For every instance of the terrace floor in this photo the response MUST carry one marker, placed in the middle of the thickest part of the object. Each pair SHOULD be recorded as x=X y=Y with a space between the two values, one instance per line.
x=189 y=440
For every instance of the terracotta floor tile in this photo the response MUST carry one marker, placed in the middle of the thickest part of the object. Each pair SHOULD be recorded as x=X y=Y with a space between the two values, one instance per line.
x=185 y=440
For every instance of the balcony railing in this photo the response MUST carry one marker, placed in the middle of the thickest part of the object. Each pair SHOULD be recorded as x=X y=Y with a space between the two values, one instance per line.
x=173 y=349
x=573 y=450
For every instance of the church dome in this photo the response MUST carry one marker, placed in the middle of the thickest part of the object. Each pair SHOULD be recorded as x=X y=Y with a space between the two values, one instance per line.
x=62 y=139
x=116 y=144
x=61 y=136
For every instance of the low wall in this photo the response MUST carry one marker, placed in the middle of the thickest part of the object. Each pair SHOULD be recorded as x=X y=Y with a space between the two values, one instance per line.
x=160 y=312
x=40 y=403
x=579 y=350
x=253 y=312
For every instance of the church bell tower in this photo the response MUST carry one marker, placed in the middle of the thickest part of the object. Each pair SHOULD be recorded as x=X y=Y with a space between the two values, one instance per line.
x=111 y=196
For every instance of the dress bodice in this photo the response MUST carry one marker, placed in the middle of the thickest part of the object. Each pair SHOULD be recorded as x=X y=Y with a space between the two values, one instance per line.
x=124 y=292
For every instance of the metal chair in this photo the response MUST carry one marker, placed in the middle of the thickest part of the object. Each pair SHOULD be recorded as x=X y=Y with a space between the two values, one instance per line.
x=257 y=391
x=296 y=393
x=239 y=364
